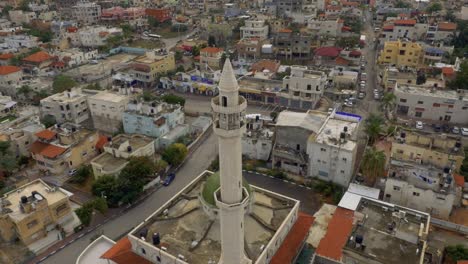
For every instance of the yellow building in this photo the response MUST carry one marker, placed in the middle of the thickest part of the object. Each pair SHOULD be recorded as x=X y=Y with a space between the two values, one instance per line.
x=401 y=53
x=211 y=57
x=148 y=67
x=34 y=209
x=430 y=149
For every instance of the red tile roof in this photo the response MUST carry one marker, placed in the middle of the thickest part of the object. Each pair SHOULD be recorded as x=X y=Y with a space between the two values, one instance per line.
x=342 y=61
x=101 y=142
x=72 y=29
x=212 y=50
x=447 y=26
x=459 y=180
x=355 y=53
x=346 y=28
x=47 y=150
x=462 y=262
x=270 y=65
x=293 y=242
x=6 y=56
x=448 y=71
x=46 y=134
x=405 y=22
x=327 y=52
x=39 y=56
x=285 y=30
x=121 y=253
x=339 y=229
x=5 y=70
x=388 y=27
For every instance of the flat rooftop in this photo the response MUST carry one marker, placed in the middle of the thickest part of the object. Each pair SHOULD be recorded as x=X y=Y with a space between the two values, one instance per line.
x=388 y=235
x=312 y=120
x=428 y=92
x=67 y=96
x=330 y=134
x=13 y=198
x=135 y=141
x=109 y=162
x=108 y=97
x=185 y=228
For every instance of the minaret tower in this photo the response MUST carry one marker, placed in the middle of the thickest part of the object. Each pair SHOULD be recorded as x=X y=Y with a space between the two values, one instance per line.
x=231 y=198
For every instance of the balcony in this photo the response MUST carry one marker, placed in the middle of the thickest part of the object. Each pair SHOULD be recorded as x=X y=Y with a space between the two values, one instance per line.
x=217 y=108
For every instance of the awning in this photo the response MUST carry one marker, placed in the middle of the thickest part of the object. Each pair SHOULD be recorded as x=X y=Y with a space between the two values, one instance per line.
x=248 y=90
x=202 y=88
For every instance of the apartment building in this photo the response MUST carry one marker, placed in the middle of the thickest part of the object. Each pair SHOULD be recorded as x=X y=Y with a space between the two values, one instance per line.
x=106 y=110
x=401 y=54
x=249 y=48
x=437 y=150
x=147 y=68
x=117 y=150
x=210 y=57
x=442 y=31
x=19 y=17
x=325 y=27
x=19 y=42
x=160 y=14
x=431 y=104
x=257 y=141
x=9 y=76
x=303 y=88
x=22 y=136
x=153 y=119
x=292 y=45
x=332 y=152
x=254 y=29
x=93 y=36
x=76 y=57
x=31 y=211
x=392 y=76
x=403 y=29
x=85 y=12
x=118 y=13
x=69 y=106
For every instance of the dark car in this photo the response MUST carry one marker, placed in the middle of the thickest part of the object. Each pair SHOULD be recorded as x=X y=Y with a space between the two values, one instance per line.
x=437 y=128
x=446 y=128
x=169 y=179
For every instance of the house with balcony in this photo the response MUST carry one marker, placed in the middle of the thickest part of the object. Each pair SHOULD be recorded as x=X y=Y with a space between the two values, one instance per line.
x=210 y=58
x=147 y=68
x=254 y=29
x=68 y=106
x=441 y=31
x=291 y=45
x=117 y=150
x=401 y=54
x=433 y=55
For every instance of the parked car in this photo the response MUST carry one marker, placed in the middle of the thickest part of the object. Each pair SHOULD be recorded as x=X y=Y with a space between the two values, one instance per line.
x=169 y=179
x=363 y=76
x=437 y=128
x=446 y=128
x=464 y=131
x=330 y=110
x=349 y=103
x=361 y=95
x=456 y=130
x=419 y=125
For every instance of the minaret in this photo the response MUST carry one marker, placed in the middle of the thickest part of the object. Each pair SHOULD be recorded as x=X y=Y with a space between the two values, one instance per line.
x=231 y=198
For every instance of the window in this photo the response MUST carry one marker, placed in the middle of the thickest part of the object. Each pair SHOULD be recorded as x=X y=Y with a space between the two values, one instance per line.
x=309 y=87
x=323 y=150
x=435 y=105
x=415 y=194
x=388 y=195
x=344 y=159
x=224 y=101
x=32 y=224
x=402 y=100
x=418 y=114
x=298 y=147
x=396 y=188
x=342 y=171
x=143 y=251
x=420 y=102
x=60 y=208
x=450 y=106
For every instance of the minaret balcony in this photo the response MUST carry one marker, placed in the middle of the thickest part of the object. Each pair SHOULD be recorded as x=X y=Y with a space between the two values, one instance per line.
x=217 y=108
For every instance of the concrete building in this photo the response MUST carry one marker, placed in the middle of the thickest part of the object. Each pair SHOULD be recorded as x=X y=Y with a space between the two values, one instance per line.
x=332 y=151
x=292 y=134
x=291 y=45
x=249 y=48
x=22 y=135
x=325 y=27
x=254 y=29
x=421 y=103
x=401 y=53
x=146 y=69
x=160 y=14
x=93 y=36
x=19 y=42
x=430 y=149
x=68 y=106
x=368 y=231
x=30 y=212
x=87 y=13
x=392 y=76
x=257 y=141
x=210 y=58
x=154 y=119
x=118 y=13
x=117 y=151
x=40 y=60
x=396 y=29
x=422 y=187
x=9 y=77
x=303 y=88
x=442 y=31
x=76 y=57
x=61 y=148
x=106 y=110
x=19 y=17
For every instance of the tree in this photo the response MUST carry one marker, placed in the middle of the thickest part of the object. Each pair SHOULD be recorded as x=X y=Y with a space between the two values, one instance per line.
x=461 y=79
x=434 y=7
x=402 y=4
x=347 y=42
x=24 y=6
x=25 y=90
x=373 y=164
x=126 y=30
x=373 y=127
x=4 y=147
x=8 y=162
x=85 y=213
x=450 y=16
x=100 y=204
x=6 y=10
x=457 y=252
x=388 y=101
x=274 y=115
x=175 y=154
x=147 y=96
x=178 y=55
x=107 y=185
x=196 y=50
x=421 y=78
x=38 y=96
x=82 y=174
x=173 y=99
x=153 y=22
x=180 y=68
x=62 y=83
x=43 y=35
x=48 y=121
x=211 y=41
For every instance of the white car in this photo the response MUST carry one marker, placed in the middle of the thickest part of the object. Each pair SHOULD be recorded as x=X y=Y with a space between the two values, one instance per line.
x=419 y=125
x=456 y=130
x=330 y=110
x=464 y=131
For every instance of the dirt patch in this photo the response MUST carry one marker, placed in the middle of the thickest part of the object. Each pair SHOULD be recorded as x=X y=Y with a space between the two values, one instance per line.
x=14 y=253
x=460 y=216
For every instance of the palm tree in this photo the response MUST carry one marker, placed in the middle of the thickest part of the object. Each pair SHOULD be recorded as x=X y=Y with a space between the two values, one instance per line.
x=388 y=101
x=373 y=127
x=373 y=164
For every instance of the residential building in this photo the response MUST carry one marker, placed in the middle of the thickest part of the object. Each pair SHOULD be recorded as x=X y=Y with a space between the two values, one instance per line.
x=117 y=150
x=7 y=106
x=210 y=57
x=87 y=13
x=421 y=103
x=442 y=31
x=147 y=68
x=65 y=3
x=64 y=147
x=231 y=10
x=94 y=36
x=107 y=110
x=433 y=55
x=249 y=48
x=33 y=210
x=422 y=187
x=19 y=42
x=343 y=79
x=69 y=106
x=401 y=54
x=9 y=76
x=76 y=57
x=19 y=17
x=160 y=14
x=464 y=13
x=332 y=151
x=5 y=58
x=292 y=45
x=197 y=81
x=284 y=7
x=326 y=55
x=429 y=149
x=265 y=69
x=392 y=76
x=254 y=29
x=325 y=27
x=352 y=229
x=303 y=88
x=402 y=29
x=293 y=131
x=154 y=119
x=118 y=13
x=257 y=141
x=22 y=136
x=40 y=60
